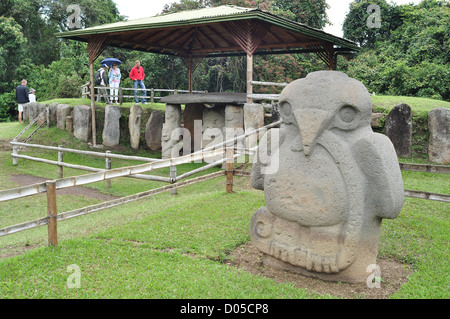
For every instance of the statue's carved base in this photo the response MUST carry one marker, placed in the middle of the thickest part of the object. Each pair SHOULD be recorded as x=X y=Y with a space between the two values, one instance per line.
x=317 y=252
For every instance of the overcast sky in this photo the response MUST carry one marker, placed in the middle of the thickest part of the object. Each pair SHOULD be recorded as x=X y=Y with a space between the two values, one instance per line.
x=135 y=9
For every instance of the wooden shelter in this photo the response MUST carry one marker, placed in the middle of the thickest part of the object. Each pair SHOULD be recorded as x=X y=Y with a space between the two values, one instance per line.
x=212 y=32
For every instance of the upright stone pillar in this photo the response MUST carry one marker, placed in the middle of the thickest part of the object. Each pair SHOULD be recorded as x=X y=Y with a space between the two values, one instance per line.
x=111 y=127
x=193 y=112
x=62 y=111
x=172 y=122
x=253 y=119
x=52 y=116
x=82 y=128
x=153 y=131
x=234 y=124
x=398 y=127
x=32 y=111
x=134 y=125
x=439 y=141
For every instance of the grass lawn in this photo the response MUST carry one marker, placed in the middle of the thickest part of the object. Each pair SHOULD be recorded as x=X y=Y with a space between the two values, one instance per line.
x=174 y=246
x=419 y=106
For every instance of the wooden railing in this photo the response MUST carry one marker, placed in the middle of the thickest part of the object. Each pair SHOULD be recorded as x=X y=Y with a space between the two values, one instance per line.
x=151 y=96
x=108 y=174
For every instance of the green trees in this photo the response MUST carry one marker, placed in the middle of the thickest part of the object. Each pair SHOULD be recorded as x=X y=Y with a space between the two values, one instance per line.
x=30 y=50
x=12 y=57
x=409 y=55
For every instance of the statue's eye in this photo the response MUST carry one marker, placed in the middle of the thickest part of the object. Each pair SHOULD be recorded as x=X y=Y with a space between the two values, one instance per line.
x=347 y=113
x=285 y=109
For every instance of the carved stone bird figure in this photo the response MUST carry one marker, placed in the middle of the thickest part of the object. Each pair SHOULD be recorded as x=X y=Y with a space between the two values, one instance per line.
x=328 y=181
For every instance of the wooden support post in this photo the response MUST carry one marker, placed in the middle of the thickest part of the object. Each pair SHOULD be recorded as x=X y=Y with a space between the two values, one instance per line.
x=15 y=152
x=249 y=77
x=230 y=161
x=52 y=214
x=60 y=160
x=94 y=130
x=173 y=174
x=120 y=95
x=330 y=54
x=190 y=73
x=108 y=167
x=152 y=95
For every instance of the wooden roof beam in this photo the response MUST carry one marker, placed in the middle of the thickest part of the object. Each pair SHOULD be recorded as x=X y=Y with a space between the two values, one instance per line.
x=205 y=36
x=212 y=30
x=187 y=34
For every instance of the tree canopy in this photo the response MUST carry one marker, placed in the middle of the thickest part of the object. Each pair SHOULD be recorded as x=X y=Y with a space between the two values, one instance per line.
x=408 y=55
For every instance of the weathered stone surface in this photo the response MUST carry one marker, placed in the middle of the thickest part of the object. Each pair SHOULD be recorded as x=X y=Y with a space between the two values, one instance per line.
x=42 y=108
x=206 y=98
x=153 y=131
x=25 y=114
x=439 y=140
x=69 y=124
x=33 y=111
x=82 y=127
x=52 y=118
x=398 y=128
x=328 y=180
x=192 y=121
x=376 y=120
x=213 y=126
x=234 y=124
x=169 y=137
x=134 y=125
x=111 y=128
x=62 y=111
x=253 y=119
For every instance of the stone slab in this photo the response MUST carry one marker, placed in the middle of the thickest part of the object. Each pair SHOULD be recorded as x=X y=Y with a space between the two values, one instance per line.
x=206 y=98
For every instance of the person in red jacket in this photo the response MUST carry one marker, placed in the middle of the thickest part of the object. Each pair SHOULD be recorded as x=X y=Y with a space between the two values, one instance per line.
x=137 y=75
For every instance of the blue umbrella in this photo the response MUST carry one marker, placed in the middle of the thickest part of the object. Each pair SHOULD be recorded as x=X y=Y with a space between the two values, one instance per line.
x=109 y=61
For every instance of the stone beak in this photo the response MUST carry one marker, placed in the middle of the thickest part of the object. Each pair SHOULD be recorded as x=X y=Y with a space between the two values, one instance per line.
x=312 y=123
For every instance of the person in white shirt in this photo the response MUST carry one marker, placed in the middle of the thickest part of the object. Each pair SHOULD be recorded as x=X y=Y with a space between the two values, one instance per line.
x=32 y=95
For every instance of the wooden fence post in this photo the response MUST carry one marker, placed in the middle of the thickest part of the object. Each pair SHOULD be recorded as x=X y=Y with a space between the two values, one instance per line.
x=108 y=167
x=52 y=214
x=120 y=95
x=60 y=159
x=230 y=161
x=152 y=95
x=173 y=174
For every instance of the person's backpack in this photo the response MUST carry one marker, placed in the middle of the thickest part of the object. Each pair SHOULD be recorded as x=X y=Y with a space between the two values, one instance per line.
x=98 y=78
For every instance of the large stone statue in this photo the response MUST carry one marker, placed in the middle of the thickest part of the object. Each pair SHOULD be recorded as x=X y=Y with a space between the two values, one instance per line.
x=327 y=184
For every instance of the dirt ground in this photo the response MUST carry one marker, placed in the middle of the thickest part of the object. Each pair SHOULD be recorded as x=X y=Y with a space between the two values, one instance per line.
x=393 y=274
